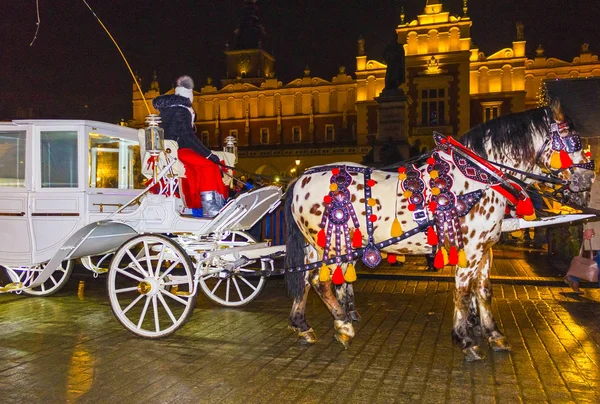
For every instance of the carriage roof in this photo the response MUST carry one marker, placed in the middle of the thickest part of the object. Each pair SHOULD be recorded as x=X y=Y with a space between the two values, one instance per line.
x=122 y=131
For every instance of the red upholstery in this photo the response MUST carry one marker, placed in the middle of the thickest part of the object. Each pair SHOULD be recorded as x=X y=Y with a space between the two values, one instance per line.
x=201 y=175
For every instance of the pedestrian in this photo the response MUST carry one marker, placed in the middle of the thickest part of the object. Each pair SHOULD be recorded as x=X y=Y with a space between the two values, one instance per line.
x=591 y=237
x=203 y=186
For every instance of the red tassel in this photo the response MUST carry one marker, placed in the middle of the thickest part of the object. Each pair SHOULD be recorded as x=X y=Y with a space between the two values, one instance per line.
x=357 y=238
x=565 y=159
x=453 y=256
x=338 y=276
x=432 y=238
x=391 y=258
x=524 y=207
x=438 y=261
x=321 y=238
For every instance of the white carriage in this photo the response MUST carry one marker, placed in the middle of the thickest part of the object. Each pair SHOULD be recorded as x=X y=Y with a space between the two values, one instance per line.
x=90 y=191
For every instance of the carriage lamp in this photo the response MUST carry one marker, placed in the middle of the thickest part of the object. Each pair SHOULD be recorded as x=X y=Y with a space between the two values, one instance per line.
x=154 y=135
x=230 y=146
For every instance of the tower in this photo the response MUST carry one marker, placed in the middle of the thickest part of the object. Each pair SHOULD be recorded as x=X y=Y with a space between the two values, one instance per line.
x=247 y=61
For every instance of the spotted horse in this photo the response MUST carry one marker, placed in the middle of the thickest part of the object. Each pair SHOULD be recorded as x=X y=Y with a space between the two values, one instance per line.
x=452 y=206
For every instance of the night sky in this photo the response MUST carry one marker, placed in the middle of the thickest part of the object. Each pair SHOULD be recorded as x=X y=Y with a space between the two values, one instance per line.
x=73 y=64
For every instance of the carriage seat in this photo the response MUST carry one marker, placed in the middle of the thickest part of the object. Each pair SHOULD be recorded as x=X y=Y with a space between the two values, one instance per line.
x=171 y=149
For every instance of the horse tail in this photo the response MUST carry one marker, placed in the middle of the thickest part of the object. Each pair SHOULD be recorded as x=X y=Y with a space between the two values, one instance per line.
x=294 y=248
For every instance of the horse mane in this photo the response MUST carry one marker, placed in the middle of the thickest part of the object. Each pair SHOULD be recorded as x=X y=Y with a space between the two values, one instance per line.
x=513 y=133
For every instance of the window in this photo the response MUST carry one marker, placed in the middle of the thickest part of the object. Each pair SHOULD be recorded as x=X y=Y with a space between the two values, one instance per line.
x=491 y=110
x=12 y=159
x=114 y=163
x=233 y=132
x=205 y=138
x=59 y=161
x=433 y=107
x=264 y=135
x=329 y=133
x=296 y=134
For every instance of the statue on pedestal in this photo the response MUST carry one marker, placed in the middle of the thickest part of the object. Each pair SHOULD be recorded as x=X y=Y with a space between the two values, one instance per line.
x=393 y=54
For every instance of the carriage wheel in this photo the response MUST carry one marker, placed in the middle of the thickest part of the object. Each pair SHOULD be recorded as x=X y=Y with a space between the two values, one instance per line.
x=26 y=276
x=238 y=287
x=151 y=286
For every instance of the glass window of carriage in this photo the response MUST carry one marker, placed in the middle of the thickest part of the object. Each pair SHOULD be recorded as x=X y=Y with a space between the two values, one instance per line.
x=12 y=159
x=114 y=163
x=58 y=152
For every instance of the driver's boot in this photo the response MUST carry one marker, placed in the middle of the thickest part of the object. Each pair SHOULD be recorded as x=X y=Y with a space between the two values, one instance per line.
x=212 y=202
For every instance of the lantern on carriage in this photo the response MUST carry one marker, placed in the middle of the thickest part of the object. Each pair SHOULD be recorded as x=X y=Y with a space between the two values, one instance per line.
x=154 y=135
x=230 y=146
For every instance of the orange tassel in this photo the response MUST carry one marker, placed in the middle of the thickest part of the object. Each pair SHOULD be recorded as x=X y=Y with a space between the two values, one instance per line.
x=391 y=258
x=524 y=207
x=432 y=238
x=321 y=238
x=565 y=160
x=357 y=238
x=438 y=261
x=338 y=276
x=453 y=256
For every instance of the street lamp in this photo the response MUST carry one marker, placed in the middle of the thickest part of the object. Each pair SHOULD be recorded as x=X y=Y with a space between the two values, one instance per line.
x=298 y=162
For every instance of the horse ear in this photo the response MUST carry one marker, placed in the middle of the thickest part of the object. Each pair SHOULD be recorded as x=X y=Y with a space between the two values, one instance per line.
x=557 y=110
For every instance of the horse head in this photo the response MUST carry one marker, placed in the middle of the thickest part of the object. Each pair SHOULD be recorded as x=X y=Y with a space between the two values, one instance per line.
x=562 y=156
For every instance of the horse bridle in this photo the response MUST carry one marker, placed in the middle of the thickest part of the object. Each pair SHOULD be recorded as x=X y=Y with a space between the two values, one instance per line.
x=569 y=144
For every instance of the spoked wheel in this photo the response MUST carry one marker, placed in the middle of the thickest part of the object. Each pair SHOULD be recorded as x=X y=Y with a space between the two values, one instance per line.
x=151 y=286
x=238 y=286
x=27 y=275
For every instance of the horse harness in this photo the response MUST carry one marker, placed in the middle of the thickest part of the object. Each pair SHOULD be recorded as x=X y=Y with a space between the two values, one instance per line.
x=436 y=197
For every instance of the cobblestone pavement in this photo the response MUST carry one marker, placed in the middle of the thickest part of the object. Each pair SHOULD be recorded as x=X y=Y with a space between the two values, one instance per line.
x=70 y=348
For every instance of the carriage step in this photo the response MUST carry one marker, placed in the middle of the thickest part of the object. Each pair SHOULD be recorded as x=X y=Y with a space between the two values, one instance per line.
x=11 y=287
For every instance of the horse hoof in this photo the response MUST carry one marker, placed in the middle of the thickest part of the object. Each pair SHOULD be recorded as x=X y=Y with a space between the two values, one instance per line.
x=473 y=354
x=343 y=339
x=344 y=332
x=354 y=316
x=499 y=345
x=307 y=337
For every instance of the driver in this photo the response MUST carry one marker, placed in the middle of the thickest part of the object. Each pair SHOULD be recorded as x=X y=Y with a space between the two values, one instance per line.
x=203 y=186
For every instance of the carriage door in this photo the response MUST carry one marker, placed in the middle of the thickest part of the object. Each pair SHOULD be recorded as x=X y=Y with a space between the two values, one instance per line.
x=15 y=182
x=57 y=208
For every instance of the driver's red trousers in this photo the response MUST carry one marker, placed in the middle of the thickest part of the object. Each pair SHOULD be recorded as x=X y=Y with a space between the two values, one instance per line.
x=201 y=175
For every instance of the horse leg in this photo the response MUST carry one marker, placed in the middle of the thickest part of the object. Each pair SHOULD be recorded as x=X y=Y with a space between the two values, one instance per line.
x=298 y=323
x=345 y=296
x=350 y=309
x=483 y=293
x=463 y=330
x=299 y=284
x=344 y=331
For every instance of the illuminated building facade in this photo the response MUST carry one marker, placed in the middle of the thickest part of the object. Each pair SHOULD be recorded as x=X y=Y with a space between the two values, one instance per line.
x=451 y=86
